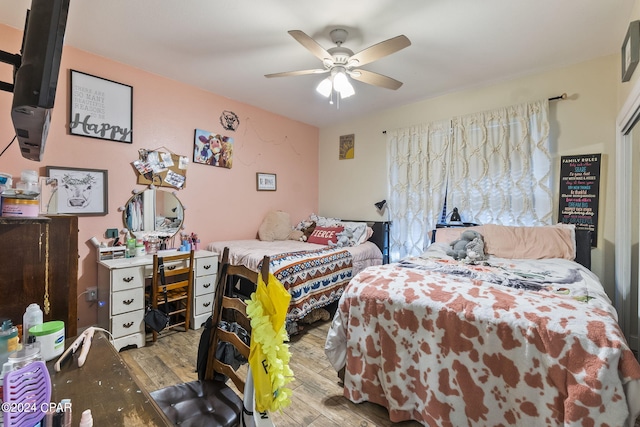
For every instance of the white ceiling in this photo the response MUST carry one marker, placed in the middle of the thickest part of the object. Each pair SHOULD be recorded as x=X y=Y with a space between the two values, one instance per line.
x=227 y=46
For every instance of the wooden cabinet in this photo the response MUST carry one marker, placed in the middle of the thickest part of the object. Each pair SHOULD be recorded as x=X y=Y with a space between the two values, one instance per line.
x=121 y=304
x=39 y=263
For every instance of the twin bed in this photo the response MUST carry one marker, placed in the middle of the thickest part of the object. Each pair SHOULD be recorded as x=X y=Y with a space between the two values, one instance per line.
x=314 y=274
x=527 y=337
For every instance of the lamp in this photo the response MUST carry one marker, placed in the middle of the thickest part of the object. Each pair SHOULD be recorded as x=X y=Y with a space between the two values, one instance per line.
x=455 y=216
x=380 y=205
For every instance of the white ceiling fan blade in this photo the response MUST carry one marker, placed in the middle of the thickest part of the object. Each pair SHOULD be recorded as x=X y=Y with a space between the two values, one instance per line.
x=379 y=50
x=375 y=79
x=298 y=73
x=311 y=45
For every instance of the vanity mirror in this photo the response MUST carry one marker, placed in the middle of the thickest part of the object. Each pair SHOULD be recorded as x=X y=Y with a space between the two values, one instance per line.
x=154 y=211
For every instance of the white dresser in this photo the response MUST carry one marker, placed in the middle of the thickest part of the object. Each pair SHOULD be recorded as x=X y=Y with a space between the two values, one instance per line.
x=121 y=304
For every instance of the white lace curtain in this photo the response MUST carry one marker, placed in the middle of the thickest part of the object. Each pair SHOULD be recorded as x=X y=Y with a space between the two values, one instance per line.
x=494 y=166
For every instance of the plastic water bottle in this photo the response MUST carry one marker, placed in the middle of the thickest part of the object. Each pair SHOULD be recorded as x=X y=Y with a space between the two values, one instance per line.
x=32 y=317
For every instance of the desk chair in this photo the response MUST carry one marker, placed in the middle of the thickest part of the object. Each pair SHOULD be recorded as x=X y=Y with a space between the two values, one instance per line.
x=172 y=288
x=211 y=401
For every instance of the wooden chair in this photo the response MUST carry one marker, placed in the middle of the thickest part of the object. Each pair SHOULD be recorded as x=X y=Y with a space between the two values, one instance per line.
x=172 y=288
x=211 y=401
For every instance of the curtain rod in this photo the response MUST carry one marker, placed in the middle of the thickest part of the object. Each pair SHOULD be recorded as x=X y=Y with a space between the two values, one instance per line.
x=553 y=98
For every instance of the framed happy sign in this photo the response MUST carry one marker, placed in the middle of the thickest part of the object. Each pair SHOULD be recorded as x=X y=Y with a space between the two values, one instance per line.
x=101 y=108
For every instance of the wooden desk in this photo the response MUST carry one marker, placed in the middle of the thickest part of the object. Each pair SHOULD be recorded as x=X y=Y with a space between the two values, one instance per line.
x=121 y=288
x=105 y=385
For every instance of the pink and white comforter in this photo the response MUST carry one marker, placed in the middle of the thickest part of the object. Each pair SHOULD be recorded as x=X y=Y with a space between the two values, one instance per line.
x=507 y=342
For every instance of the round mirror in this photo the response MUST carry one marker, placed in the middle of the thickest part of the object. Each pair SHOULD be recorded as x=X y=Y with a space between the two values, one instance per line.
x=154 y=212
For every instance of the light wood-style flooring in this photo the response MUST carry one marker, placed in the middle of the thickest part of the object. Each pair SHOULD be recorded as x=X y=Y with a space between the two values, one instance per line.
x=317 y=399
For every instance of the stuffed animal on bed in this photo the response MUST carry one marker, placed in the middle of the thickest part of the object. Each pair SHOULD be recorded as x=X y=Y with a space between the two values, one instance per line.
x=475 y=250
x=344 y=239
x=469 y=241
x=296 y=235
x=306 y=227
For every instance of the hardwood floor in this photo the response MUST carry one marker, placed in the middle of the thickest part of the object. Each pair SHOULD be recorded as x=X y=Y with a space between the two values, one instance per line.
x=317 y=399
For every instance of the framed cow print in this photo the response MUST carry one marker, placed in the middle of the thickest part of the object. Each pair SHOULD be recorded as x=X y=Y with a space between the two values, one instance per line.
x=78 y=191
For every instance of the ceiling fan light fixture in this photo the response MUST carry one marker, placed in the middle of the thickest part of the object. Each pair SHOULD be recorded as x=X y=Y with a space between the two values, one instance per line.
x=347 y=91
x=342 y=85
x=325 y=87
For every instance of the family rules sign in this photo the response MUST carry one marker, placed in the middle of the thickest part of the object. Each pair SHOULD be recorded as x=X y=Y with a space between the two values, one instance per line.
x=579 y=192
x=101 y=108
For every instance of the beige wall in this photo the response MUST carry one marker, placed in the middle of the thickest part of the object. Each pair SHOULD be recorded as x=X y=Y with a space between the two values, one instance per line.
x=221 y=203
x=583 y=124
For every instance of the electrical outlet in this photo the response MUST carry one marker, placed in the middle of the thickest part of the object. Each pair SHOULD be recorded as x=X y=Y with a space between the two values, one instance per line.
x=111 y=233
x=92 y=294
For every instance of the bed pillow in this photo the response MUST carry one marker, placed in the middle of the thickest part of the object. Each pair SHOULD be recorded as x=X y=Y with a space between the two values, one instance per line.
x=552 y=241
x=450 y=234
x=275 y=226
x=322 y=235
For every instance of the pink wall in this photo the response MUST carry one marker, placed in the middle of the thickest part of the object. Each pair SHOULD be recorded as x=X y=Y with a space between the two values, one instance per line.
x=220 y=203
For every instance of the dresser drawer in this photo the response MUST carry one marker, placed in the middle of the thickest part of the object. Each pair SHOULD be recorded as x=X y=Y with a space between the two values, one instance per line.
x=203 y=304
x=126 y=301
x=127 y=323
x=127 y=278
x=205 y=284
x=206 y=265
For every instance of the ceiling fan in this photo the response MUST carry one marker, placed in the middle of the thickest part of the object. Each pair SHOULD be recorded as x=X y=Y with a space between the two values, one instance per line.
x=341 y=62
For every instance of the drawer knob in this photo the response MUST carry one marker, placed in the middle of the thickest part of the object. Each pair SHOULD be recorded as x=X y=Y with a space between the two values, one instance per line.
x=127 y=325
x=171 y=267
x=127 y=279
x=206 y=267
x=206 y=285
x=206 y=304
x=127 y=301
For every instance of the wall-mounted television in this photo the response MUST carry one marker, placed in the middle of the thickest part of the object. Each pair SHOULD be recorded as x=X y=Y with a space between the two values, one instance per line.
x=35 y=76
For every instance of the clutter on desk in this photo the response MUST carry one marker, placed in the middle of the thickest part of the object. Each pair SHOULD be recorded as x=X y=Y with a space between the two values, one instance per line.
x=32 y=316
x=111 y=252
x=50 y=335
x=25 y=381
x=9 y=339
x=83 y=339
x=27 y=387
x=188 y=242
x=24 y=200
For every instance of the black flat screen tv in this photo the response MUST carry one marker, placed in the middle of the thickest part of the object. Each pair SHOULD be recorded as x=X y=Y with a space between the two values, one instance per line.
x=36 y=76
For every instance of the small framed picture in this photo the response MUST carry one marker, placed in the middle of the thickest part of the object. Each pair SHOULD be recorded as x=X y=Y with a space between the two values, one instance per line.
x=347 y=146
x=266 y=181
x=630 y=51
x=77 y=191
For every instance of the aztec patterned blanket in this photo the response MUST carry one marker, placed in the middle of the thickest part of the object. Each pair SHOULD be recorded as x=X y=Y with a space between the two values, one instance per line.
x=314 y=278
x=506 y=342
